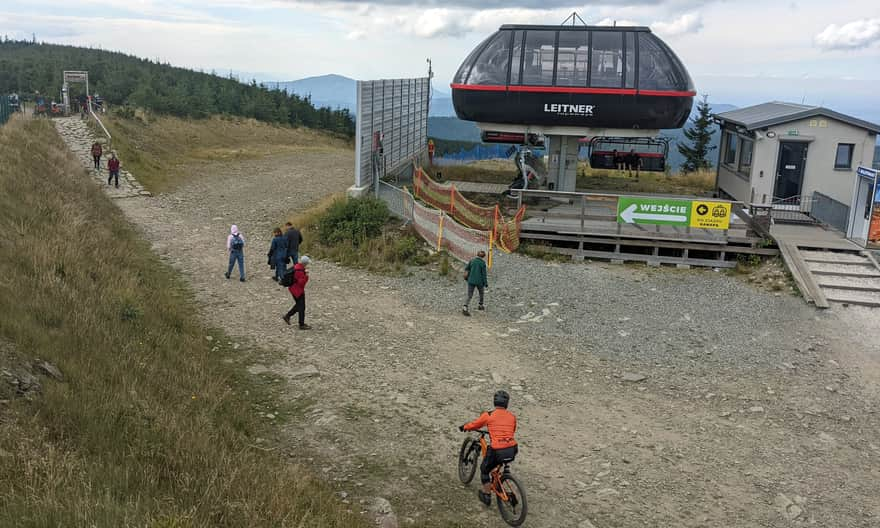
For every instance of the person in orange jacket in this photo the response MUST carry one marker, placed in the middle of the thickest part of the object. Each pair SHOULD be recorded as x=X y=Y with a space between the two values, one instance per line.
x=501 y=424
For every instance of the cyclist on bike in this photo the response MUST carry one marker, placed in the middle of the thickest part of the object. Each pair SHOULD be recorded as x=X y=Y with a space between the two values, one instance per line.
x=502 y=447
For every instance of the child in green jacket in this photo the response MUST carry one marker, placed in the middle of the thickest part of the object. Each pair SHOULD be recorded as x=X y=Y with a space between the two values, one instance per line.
x=475 y=274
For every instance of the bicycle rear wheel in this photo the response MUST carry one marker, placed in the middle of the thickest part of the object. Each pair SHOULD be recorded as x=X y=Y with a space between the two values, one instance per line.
x=468 y=456
x=514 y=509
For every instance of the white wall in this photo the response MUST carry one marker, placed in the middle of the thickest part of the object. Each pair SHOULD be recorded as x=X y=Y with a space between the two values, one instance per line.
x=819 y=174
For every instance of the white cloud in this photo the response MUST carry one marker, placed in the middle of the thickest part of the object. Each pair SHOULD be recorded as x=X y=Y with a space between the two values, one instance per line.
x=686 y=23
x=608 y=21
x=854 y=35
x=357 y=34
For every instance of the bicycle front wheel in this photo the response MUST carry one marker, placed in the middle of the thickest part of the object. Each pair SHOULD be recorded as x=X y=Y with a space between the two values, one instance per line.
x=514 y=509
x=468 y=456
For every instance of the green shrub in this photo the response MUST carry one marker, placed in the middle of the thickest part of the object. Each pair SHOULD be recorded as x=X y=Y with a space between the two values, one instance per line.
x=353 y=220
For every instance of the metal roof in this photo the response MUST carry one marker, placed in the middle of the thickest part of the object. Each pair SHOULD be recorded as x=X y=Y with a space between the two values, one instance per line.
x=569 y=27
x=776 y=112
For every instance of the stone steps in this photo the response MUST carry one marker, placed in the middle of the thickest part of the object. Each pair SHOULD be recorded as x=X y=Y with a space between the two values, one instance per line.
x=79 y=140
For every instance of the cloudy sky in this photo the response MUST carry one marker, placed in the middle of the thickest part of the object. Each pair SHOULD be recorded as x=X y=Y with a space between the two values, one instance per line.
x=762 y=40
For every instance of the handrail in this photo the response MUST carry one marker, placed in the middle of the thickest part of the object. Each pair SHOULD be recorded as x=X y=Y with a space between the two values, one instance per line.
x=98 y=119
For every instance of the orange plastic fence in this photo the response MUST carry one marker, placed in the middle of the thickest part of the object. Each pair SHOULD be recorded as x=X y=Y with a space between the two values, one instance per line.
x=446 y=198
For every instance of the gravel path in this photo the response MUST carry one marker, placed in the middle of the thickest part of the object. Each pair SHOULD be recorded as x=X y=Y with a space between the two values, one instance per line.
x=646 y=397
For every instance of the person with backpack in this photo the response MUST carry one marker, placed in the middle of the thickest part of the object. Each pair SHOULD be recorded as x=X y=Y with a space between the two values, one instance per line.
x=97 y=152
x=296 y=284
x=476 y=275
x=294 y=239
x=278 y=254
x=113 y=168
x=235 y=247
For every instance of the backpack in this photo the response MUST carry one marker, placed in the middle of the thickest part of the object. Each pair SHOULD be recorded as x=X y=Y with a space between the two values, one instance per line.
x=237 y=243
x=287 y=279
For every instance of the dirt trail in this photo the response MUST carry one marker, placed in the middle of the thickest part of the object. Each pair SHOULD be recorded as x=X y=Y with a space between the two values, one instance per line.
x=746 y=445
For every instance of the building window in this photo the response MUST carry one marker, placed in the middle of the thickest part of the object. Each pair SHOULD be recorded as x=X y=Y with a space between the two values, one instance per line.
x=843 y=160
x=745 y=156
x=730 y=149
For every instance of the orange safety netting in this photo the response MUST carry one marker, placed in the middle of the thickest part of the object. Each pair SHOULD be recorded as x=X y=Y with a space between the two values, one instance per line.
x=446 y=197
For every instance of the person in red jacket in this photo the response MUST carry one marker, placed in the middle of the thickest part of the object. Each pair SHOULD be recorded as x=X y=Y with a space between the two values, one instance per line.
x=298 y=290
x=502 y=446
x=97 y=152
x=113 y=168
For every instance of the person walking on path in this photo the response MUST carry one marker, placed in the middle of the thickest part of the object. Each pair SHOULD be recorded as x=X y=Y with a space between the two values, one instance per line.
x=278 y=254
x=294 y=239
x=113 y=168
x=97 y=152
x=298 y=290
x=235 y=247
x=476 y=275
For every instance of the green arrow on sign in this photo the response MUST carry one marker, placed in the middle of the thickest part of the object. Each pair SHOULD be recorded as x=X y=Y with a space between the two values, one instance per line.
x=653 y=211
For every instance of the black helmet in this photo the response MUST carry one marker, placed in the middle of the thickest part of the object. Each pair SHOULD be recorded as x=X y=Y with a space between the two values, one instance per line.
x=501 y=399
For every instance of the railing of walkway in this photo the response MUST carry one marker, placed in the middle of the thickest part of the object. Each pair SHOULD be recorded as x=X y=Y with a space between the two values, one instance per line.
x=100 y=124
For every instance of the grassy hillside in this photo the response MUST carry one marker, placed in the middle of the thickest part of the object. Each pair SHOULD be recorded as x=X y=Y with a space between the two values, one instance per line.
x=161 y=151
x=122 y=79
x=148 y=427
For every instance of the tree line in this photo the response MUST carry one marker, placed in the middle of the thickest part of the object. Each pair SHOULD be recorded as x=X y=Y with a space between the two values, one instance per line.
x=27 y=67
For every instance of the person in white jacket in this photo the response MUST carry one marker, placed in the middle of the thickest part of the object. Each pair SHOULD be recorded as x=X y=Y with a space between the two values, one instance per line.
x=235 y=248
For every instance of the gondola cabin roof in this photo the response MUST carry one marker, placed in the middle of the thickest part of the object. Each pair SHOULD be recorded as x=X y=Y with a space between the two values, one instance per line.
x=535 y=77
x=573 y=28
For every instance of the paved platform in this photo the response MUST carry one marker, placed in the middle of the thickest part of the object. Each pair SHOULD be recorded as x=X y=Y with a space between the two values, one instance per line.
x=812 y=236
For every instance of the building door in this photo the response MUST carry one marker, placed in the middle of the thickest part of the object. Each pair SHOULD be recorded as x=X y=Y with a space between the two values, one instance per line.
x=790 y=169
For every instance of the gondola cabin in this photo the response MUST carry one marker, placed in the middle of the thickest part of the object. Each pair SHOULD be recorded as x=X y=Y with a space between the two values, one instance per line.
x=558 y=79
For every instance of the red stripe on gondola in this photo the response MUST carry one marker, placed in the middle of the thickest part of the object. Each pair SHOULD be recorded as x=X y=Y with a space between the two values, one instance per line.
x=572 y=90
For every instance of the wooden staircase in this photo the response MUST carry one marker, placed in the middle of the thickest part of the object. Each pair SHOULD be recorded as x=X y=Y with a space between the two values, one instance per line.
x=825 y=276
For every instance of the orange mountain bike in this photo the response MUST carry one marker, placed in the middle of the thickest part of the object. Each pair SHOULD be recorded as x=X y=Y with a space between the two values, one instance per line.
x=509 y=493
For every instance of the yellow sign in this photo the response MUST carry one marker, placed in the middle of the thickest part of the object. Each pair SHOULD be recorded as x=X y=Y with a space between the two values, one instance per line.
x=710 y=215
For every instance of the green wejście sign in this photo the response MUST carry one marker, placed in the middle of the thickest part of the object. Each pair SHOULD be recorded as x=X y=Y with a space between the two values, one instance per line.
x=653 y=211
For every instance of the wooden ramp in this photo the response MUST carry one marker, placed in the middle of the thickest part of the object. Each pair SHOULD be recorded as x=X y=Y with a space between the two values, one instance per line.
x=826 y=276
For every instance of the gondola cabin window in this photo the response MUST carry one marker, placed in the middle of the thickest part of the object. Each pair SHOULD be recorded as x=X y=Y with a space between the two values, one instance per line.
x=490 y=68
x=607 y=60
x=656 y=71
x=540 y=54
x=573 y=59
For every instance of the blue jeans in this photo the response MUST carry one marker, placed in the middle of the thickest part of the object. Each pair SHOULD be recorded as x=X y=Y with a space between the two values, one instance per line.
x=294 y=258
x=280 y=268
x=236 y=256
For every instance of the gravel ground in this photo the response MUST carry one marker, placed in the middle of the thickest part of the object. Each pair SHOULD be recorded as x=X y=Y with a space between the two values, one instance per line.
x=646 y=397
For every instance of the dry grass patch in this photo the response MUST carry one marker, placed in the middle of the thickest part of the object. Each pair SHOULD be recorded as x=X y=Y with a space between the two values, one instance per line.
x=149 y=427
x=590 y=180
x=163 y=151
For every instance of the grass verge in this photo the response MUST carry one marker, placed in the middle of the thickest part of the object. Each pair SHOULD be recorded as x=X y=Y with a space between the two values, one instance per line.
x=163 y=151
x=149 y=426
x=360 y=233
x=591 y=180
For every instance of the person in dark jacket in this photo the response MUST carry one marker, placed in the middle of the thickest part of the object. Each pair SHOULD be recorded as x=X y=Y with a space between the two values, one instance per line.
x=97 y=152
x=278 y=254
x=476 y=275
x=113 y=169
x=298 y=291
x=294 y=239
